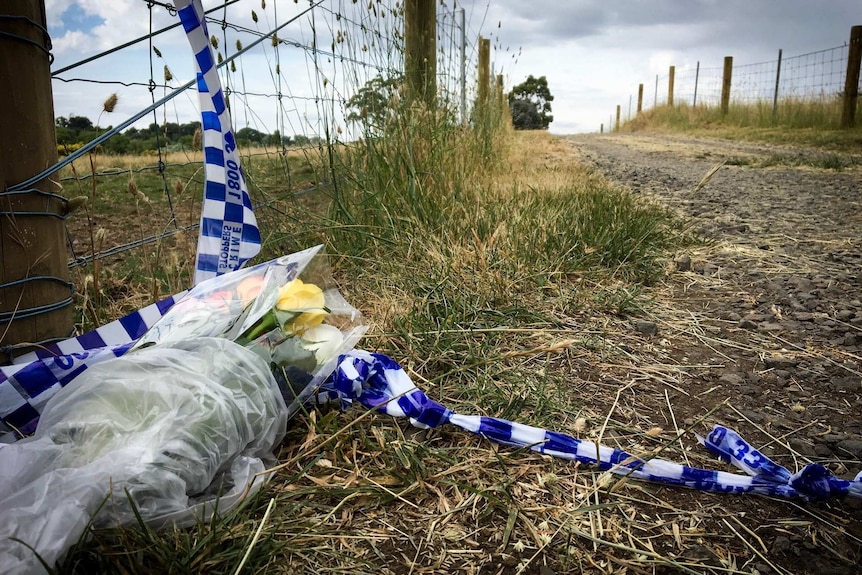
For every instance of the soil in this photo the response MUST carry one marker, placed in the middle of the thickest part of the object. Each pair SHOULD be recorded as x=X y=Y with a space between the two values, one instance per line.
x=763 y=320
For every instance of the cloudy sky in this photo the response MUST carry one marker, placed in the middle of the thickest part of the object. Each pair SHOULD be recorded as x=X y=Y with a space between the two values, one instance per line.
x=594 y=53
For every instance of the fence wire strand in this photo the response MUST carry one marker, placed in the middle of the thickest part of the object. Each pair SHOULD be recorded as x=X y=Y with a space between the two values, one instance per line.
x=817 y=76
x=343 y=45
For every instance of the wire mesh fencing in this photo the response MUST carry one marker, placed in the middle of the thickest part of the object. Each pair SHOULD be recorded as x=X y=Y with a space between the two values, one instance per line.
x=811 y=84
x=291 y=73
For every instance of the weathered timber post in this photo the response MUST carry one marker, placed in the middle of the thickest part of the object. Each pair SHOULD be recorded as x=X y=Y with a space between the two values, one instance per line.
x=498 y=87
x=851 y=80
x=602 y=128
x=617 y=125
x=670 y=75
x=640 y=98
x=696 y=78
x=725 y=85
x=777 y=80
x=420 y=49
x=484 y=87
x=35 y=293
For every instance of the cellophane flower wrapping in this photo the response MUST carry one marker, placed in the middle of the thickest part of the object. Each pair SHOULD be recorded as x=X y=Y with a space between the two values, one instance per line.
x=167 y=430
x=183 y=422
x=288 y=311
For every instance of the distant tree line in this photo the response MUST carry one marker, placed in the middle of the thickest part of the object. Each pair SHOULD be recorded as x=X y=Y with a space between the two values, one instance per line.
x=75 y=131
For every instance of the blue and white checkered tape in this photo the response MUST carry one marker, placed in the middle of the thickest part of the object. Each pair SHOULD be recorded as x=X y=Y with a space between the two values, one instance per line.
x=26 y=385
x=229 y=235
x=378 y=382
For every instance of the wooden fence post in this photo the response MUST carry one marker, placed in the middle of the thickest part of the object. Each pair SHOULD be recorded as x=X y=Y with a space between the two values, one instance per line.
x=33 y=252
x=777 y=81
x=670 y=76
x=484 y=87
x=725 y=85
x=420 y=49
x=602 y=128
x=851 y=80
x=617 y=126
x=640 y=98
x=696 y=79
x=498 y=86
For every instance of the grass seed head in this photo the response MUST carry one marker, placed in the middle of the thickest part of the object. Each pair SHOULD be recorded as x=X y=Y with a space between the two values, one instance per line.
x=110 y=103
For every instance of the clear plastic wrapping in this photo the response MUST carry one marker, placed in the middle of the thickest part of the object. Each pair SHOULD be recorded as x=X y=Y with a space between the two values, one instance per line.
x=188 y=416
x=168 y=429
x=288 y=311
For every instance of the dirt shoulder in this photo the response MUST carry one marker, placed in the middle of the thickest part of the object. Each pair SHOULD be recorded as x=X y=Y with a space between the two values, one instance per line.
x=762 y=324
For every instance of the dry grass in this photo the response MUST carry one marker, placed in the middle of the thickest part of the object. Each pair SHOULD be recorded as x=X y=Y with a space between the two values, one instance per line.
x=124 y=162
x=799 y=122
x=486 y=329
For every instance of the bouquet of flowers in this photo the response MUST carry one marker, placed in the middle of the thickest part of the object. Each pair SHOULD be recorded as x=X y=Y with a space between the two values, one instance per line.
x=287 y=311
x=186 y=419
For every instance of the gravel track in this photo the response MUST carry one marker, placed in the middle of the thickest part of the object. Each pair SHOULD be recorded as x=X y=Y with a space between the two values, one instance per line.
x=769 y=311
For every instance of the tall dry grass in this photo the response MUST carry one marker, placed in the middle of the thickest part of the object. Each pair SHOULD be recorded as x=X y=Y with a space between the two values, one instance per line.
x=799 y=121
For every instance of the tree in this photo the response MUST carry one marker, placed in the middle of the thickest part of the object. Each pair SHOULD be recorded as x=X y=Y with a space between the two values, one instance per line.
x=525 y=115
x=250 y=135
x=371 y=106
x=79 y=123
x=530 y=103
x=76 y=130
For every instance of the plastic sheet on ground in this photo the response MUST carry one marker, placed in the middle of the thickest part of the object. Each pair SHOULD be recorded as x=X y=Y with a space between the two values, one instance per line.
x=173 y=430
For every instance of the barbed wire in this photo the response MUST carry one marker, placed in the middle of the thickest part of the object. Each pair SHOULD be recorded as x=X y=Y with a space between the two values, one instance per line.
x=135 y=117
x=360 y=48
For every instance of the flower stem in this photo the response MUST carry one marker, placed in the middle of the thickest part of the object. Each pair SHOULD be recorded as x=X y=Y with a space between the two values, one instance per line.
x=265 y=324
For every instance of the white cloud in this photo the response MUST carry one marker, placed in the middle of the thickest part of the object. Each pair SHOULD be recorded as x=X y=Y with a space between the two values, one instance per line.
x=121 y=21
x=593 y=53
x=54 y=10
x=72 y=41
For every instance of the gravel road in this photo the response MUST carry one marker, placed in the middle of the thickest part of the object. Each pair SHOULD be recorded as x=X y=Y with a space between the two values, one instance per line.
x=769 y=314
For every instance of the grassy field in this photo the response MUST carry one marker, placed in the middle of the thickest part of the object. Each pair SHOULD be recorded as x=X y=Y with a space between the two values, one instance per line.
x=799 y=122
x=132 y=201
x=492 y=267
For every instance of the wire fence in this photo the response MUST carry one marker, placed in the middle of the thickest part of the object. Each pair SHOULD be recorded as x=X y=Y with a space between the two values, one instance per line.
x=287 y=71
x=817 y=76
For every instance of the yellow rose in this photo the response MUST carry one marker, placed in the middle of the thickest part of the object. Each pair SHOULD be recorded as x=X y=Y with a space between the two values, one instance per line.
x=304 y=299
